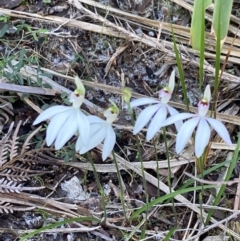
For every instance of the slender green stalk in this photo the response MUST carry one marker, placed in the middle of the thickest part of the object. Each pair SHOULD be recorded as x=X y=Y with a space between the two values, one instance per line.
x=201 y=168
x=99 y=186
x=170 y=233
x=202 y=46
x=142 y=167
x=157 y=170
x=169 y=172
x=144 y=183
x=217 y=65
x=179 y=65
x=180 y=70
x=131 y=113
x=201 y=203
x=218 y=20
x=120 y=184
x=139 y=154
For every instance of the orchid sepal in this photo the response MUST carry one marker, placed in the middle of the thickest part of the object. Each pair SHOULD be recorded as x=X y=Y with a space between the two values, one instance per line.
x=207 y=93
x=178 y=117
x=101 y=131
x=172 y=81
x=127 y=94
x=202 y=137
x=220 y=129
x=145 y=117
x=185 y=133
x=49 y=113
x=80 y=87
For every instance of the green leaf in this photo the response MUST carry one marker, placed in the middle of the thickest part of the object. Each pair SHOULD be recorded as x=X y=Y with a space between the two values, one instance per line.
x=210 y=170
x=3 y=30
x=20 y=79
x=170 y=233
x=225 y=8
x=180 y=70
x=198 y=22
x=167 y=196
x=57 y=224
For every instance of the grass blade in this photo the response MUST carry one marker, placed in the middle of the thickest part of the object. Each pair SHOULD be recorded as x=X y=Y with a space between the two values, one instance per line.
x=166 y=197
x=57 y=224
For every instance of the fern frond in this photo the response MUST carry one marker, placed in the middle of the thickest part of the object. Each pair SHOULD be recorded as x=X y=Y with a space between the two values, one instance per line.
x=5 y=110
x=29 y=138
x=13 y=146
x=4 y=147
x=7 y=186
x=15 y=175
x=6 y=207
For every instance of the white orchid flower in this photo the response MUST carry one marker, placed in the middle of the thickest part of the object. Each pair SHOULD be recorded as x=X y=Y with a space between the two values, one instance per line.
x=101 y=130
x=66 y=120
x=158 y=111
x=202 y=123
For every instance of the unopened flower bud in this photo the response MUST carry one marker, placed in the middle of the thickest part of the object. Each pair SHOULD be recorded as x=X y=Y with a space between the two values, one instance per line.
x=127 y=94
x=80 y=87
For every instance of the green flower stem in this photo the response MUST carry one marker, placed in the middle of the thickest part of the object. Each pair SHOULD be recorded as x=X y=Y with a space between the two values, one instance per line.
x=169 y=172
x=99 y=186
x=157 y=170
x=142 y=167
x=120 y=184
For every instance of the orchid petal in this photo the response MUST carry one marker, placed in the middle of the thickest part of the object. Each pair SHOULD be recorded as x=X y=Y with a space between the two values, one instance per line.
x=79 y=144
x=202 y=137
x=185 y=133
x=143 y=101
x=109 y=142
x=220 y=129
x=144 y=117
x=156 y=122
x=50 y=112
x=207 y=93
x=176 y=118
x=173 y=112
x=68 y=129
x=94 y=119
x=83 y=126
x=55 y=125
x=98 y=133
x=172 y=81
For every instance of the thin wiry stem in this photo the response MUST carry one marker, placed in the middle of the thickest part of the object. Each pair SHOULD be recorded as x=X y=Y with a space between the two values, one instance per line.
x=157 y=169
x=99 y=186
x=169 y=172
x=120 y=184
x=142 y=166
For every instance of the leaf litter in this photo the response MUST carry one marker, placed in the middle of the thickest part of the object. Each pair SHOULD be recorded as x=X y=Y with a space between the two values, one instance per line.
x=126 y=56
